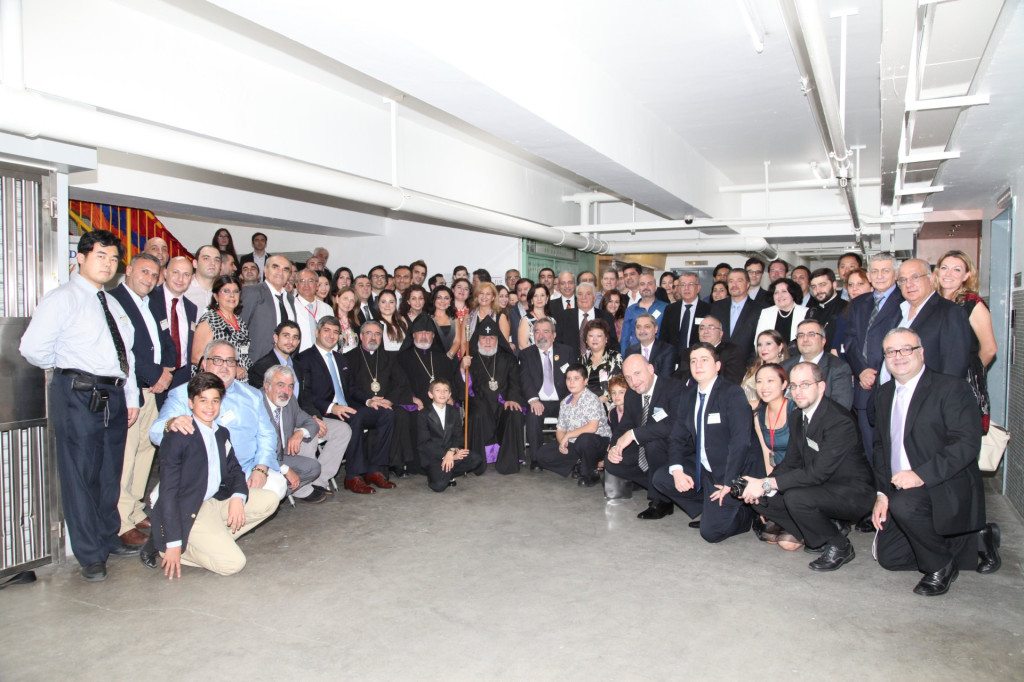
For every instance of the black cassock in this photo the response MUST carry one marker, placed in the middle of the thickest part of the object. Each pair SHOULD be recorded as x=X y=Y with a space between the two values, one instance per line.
x=383 y=365
x=489 y=422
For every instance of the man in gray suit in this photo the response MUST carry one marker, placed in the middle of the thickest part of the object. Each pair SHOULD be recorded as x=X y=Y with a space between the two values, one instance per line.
x=810 y=341
x=297 y=437
x=267 y=305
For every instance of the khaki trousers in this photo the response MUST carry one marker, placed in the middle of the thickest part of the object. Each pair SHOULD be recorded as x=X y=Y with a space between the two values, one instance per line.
x=211 y=544
x=138 y=460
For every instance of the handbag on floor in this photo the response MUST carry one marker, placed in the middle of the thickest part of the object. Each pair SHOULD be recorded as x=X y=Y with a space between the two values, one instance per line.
x=993 y=444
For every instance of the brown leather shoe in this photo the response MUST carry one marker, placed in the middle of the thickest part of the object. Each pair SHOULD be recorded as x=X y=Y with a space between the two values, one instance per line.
x=377 y=478
x=144 y=525
x=134 y=538
x=356 y=484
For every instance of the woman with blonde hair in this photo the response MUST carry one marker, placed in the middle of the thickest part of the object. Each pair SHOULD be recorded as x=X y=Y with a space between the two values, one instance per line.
x=485 y=305
x=956 y=279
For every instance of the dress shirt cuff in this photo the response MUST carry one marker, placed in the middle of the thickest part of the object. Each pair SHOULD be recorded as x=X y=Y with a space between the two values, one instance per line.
x=173 y=544
x=241 y=496
x=879 y=493
x=305 y=432
x=285 y=469
x=674 y=468
x=533 y=399
x=330 y=408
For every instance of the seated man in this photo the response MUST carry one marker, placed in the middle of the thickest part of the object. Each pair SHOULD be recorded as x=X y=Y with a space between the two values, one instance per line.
x=824 y=475
x=930 y=508
x=640 y=438
x=241 y=412
x=287 y=338
x=495 y=402
x=655 y=351
x=810 y=341
x=711 y=444
x=438 y=441
x=542 y=371
x=298 y=435
x=710 y=331
x=204 y=504
x=326 y=383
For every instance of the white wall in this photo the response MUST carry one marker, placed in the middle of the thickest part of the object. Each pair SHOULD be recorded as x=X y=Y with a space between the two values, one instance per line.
x=402 y=242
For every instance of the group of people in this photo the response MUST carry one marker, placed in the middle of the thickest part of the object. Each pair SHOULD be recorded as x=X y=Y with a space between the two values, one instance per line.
x=791 y=409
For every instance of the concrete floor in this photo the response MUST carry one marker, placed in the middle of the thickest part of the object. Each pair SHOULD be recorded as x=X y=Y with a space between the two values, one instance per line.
x=520 y=577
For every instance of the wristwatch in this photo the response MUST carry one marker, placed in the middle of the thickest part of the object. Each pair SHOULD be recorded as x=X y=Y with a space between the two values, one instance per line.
x=766 y=484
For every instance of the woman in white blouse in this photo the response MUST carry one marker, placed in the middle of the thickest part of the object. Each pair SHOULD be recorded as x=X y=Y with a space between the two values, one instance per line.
x=786 y=314
x=395 y=327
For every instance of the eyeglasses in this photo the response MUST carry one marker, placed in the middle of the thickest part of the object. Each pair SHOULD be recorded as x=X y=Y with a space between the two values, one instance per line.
x=217 y=362
x=755 y=271
x=913 y=278
x=308 y=281
x=809 y=335
x=905 y=351
x=688 y=285
x=804 y=386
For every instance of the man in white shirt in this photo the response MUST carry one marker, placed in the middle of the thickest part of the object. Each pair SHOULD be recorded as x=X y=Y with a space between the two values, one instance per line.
x=207 y=269
x=309 y=310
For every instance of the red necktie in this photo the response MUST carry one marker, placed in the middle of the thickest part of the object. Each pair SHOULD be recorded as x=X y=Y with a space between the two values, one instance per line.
x=175 y=334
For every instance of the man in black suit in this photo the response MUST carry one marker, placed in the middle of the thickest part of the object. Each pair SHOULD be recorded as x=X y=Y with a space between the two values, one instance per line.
x=824 y=475
x=177 y=315
x=711 y=444
x=267 y=305
x=378 y=382
x=710 y=331
x=738 y=314
x=654 y=350
x=193 y=503
x=640 y=439
x=258 y=255
x=754 y=267
x=571 y=322
x=930 y=507
x=518 y=306
x=565 y=298
x=942 y=325
x=151 y=350
x=287 y=337
x=542 y=375
x=869 y=319
x=680 y=326
x=810 y=341
x=826 y=303
x=378 y=282
x=364 y=298
x=327 y=392
x=439 y=440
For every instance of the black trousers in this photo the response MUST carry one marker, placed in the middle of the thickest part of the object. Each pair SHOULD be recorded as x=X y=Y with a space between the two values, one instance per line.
x=358 y=461
x=807 y=513
x=908 y=541
x=629 y=469
x=438 y=479
x=89 y=459
x=717 y=522
x=535 y=424
x=588 y=449
x=867 y=433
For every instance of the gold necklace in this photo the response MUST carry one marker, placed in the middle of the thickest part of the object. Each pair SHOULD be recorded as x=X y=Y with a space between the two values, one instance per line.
x=374 y=384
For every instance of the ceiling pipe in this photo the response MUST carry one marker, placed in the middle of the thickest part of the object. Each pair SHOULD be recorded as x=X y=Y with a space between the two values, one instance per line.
x=828 y=183
x=712 y=245
x=32 y=115
x=807 y=38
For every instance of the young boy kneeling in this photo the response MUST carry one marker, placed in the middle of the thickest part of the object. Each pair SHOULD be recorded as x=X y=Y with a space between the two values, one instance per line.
x=204 y=503
x=439 y=434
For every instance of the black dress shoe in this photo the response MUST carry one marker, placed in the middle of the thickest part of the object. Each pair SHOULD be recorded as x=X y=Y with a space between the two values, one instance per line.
x=125 y=550
x=815 y=550
x=989 y=559
x=452 y=483
x=589 y=480
x=865 y=525
x=694 y=524
x=148 y=555
x=94 y=573
x=318 y=495
x=833 y=557
x=534 y=466
x=934 y=584
x=656 y=510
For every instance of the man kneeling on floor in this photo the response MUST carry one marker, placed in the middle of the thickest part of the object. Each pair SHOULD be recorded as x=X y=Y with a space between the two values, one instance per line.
x=824 y=478
x=438 y=437
x=204 y=503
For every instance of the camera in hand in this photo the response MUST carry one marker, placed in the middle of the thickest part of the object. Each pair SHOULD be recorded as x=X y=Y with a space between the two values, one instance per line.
x=737 y=486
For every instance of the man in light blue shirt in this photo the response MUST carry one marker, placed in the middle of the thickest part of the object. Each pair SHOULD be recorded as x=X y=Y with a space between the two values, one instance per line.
x=241 y=412
x=647 y=304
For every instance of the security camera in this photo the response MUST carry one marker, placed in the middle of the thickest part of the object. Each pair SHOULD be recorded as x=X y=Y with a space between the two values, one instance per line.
x=688 y=220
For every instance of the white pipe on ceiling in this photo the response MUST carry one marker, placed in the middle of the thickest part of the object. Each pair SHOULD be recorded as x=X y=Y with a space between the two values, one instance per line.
x=710 y=245
x=828 y=183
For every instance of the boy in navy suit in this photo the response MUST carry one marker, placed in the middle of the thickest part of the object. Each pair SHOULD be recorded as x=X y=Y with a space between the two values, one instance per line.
x=203 y=503
x=439 y=430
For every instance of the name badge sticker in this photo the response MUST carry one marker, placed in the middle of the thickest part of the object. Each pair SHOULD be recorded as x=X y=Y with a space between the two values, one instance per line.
x=226 y=417
x=698 y=320
x=192 y=326
x=812 y=445
x=658 y=414
x=243 y=349
x=165 y=325
x=656 y=314
x=714 y=418
x=564 y=367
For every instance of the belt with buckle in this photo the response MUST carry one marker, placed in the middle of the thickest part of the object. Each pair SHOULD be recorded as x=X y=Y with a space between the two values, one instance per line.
x=112 y=381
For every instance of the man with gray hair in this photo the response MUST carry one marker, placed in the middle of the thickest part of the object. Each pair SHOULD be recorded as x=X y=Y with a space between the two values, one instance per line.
x=298 y=435
x=654 y=350
x=571 y=322
x=565 y=297
x=680 y=329
x=542 y=370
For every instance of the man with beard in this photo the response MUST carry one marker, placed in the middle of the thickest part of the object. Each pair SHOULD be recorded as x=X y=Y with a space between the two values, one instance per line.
x=542 y=372
x=826 y=303
x=495 y=403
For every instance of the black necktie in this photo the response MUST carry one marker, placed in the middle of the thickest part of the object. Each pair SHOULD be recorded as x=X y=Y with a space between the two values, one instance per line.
x=687 y=326
x=871 y=320
x=280 y=307
x=644 y=466
x=700 y=439
x=122 y=356
x=807 y=422
x=583 y=333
